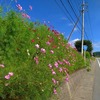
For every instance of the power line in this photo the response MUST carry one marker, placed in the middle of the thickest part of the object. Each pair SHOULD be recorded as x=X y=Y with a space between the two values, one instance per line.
x=69 y=15
x=90 y=25
x=86 y=34
x=66 y=10
x=71 y=20
x=77 y=5
x=72 y=8
x=73 y=28
x=75 y=14
x=63 y=11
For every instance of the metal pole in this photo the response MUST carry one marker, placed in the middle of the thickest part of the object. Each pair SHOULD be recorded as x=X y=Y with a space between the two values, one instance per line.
x=82 y=27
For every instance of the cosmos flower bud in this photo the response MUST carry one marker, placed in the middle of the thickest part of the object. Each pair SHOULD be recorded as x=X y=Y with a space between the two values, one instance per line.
x=19 y=7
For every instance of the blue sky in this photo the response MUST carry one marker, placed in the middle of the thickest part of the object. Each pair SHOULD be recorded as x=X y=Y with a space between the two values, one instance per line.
x=54 y=14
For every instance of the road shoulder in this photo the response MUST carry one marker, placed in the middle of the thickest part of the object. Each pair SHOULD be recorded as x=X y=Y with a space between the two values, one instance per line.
x=84 y=90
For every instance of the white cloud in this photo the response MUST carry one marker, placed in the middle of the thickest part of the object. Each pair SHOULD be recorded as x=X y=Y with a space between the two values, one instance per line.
x=73 y=41
x=75 y=29
x=96 y=45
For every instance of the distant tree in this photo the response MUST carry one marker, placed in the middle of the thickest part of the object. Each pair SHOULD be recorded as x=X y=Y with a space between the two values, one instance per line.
x=96 y=54
x=86 y=42
x=78 y=45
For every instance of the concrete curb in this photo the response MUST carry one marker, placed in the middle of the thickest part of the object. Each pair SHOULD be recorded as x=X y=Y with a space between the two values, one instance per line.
x=84 y=90
x=67 y=89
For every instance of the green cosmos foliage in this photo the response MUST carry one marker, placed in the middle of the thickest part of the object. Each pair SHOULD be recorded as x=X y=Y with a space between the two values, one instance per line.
x=32 y=77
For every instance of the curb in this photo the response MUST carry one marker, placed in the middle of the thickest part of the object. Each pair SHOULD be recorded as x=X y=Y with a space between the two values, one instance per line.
x=67 y=89
x=84 y=89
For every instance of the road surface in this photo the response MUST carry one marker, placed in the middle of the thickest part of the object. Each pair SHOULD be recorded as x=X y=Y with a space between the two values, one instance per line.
x=96 y=88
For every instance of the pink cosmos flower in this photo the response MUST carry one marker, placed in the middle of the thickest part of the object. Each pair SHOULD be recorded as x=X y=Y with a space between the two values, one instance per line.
x=67 y=62
x=54 y=91
x=75 y=49
x=56 y=64
x=50 y=66
x=67 y=79
x=25 y=15
x=30 y=7
x=37 y=46
x=7 y=77
x=67 y=75
x=19 y=7
x=54 y=81
x=36 y=60
x=53 y=72
x=65 y=70
x=10 y=73
x=60 y=62
x=51 y=51
x=48 y=43
x=60 y=70
x=2 y=65
x=43 y=50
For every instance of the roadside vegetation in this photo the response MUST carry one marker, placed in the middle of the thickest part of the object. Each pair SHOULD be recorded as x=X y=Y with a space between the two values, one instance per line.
x=34 y=59
x=96 y=54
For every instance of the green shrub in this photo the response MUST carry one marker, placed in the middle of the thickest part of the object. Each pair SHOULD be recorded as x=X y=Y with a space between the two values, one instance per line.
x=88 y=55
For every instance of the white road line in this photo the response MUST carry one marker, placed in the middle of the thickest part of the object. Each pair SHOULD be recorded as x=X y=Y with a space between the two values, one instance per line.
x=98 y=62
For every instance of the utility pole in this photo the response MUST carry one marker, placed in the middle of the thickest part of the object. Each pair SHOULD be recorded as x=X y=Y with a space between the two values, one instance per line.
x=82 y=38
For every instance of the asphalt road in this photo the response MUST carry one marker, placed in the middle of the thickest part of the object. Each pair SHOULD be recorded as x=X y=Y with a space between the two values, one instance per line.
x=96 y=89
